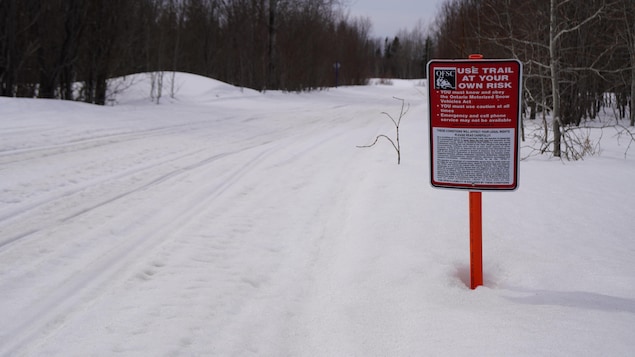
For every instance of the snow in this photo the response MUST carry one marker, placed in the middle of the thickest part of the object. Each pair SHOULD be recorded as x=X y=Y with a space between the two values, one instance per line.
x=228 y=222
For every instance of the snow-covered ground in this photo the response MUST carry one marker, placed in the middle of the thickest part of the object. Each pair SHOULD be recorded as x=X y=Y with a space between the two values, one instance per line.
x=228 y=222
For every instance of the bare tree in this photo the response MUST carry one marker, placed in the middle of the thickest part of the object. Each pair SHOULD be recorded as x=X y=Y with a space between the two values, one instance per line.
x=18 y=47
x=103 y=36
x=569 y=63
x=626 y=33
x=272 y=53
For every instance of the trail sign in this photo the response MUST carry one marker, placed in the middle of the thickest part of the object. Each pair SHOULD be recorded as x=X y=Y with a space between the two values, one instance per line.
x=474 y=123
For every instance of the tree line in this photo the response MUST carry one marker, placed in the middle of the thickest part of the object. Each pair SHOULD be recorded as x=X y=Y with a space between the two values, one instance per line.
x=48 y=47
x=574 y=53
x=68 y=49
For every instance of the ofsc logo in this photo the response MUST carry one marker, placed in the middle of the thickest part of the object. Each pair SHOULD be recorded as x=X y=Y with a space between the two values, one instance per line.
x=445 y=78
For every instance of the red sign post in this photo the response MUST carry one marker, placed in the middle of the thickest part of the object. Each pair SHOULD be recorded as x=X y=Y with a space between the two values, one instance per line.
x=474 y=129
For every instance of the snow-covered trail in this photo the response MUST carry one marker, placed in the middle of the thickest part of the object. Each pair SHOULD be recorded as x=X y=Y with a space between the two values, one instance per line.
x=123 y=228
x=233 y=223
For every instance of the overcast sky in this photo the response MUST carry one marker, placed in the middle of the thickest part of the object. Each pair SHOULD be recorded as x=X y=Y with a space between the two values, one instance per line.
x=390 y=16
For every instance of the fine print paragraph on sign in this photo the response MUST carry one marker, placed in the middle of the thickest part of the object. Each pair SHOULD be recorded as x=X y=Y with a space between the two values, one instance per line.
x=473 y=155
x=474 y=122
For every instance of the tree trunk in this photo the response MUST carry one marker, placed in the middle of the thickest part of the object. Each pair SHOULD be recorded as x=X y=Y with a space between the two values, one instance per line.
x=271 y=67
x=8 y=53
x=632 y=110
x=555 y=92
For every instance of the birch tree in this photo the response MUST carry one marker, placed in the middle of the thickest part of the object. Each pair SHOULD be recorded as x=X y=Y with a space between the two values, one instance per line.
x=557 y=29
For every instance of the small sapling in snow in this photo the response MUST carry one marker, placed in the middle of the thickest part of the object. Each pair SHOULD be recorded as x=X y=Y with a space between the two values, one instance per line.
x=395 y=143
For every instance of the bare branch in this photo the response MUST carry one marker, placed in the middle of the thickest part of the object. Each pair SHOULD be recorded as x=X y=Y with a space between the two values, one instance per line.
x=624 y=131
x=377 y=139
x=582 y=23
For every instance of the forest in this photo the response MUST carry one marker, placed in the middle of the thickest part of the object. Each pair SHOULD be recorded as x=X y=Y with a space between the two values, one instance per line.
x=578 y=57
x=48 y=46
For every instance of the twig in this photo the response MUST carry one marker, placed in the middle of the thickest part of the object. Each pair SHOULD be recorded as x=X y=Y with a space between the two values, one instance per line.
x=395 y=144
